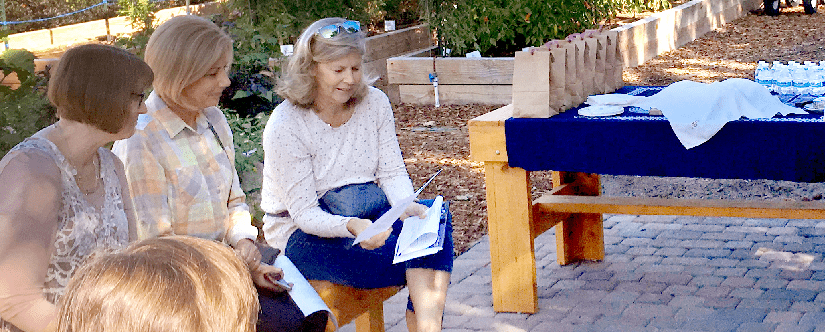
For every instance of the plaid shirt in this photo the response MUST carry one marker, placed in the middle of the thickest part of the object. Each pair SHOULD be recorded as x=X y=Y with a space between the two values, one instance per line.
x=181 y=179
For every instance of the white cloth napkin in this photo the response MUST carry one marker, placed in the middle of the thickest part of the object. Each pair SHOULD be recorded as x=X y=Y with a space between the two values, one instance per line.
x=696 y=111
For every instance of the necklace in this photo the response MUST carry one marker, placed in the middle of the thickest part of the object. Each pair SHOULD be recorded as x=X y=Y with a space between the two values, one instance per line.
x=84 y=178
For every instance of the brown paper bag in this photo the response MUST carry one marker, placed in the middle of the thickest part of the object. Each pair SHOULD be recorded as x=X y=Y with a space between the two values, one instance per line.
x=613 y=63
x=599 y=67
x=575 y=60
x=589 y=72
x=531 y=84
x=559 y=98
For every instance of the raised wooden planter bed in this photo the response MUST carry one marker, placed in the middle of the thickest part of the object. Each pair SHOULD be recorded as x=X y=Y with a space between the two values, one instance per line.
x=391 y=44
x=668 y=30
x=460 y=80
x=489 y=80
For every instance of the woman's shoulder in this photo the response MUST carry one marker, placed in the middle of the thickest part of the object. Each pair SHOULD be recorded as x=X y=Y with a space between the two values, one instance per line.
x=375 y=95
x=376 y=103
x=31 y=160
x=287 y=114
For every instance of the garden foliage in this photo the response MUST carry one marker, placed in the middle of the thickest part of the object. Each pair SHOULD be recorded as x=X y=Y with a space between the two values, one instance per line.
x=24 y=110
x=501 y=27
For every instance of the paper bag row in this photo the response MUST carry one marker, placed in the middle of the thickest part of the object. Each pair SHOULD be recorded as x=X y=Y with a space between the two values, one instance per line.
x=561 y=74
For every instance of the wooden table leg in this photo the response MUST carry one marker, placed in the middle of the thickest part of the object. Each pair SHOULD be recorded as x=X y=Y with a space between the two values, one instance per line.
x=581 y=235
x=512 y=256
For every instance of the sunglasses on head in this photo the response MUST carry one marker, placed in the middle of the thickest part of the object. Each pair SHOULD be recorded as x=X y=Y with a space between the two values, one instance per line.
x=333 y=30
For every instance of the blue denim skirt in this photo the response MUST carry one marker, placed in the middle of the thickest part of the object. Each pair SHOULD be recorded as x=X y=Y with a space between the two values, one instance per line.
x=338 y=261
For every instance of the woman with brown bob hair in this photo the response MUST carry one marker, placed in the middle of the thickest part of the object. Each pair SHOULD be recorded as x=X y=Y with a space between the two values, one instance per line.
x=169 y=284
x=64 y=194
x=333 y=165
x=181 y=161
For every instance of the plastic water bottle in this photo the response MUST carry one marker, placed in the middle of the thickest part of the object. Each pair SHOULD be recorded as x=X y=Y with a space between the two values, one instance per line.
x=764 y=75
x=817 y=77
x=784 y=82
x=800 y=81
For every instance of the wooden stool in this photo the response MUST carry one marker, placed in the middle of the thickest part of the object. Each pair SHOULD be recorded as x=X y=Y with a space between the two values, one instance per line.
x=366 y=306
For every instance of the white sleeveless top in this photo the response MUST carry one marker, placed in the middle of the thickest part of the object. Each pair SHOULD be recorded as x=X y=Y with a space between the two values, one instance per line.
x=82 y=230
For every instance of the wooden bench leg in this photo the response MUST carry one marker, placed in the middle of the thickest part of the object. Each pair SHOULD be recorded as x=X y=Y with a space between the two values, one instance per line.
x=581 y=235
x=372 y=320
x=512 y=256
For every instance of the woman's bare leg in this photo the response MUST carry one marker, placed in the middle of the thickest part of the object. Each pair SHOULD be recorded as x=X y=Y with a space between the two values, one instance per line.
x=428 y=291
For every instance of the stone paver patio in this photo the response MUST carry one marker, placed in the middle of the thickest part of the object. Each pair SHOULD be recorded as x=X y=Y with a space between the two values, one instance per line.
x=661 y=273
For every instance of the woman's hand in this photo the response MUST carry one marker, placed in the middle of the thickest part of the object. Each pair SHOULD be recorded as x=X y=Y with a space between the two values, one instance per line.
x=264 y=276
x=249 y=253
x=356 y=226
x=415 y=209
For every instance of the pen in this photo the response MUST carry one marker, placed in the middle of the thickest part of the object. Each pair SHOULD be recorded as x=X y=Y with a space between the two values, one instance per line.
x=428 y=182
x=284 y=284
x=280 y=282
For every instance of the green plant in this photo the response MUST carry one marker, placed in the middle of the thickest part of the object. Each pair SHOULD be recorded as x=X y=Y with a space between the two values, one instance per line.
x=247 y=133
x=259 y=28
x=25 y=109
x=141 y=13
x=501 y=27
x=637 y=6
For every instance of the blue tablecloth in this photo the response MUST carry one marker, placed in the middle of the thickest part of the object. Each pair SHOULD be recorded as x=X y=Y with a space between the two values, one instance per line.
x=788 y=148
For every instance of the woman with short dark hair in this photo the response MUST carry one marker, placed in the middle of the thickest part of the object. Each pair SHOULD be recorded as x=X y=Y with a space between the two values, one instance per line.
x=64 y=194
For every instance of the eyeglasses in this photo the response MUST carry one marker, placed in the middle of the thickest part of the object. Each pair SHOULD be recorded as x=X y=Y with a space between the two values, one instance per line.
x=333 y=30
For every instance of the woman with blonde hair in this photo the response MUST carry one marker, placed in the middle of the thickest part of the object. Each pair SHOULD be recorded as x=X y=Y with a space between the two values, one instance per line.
x=64 y=193
x=333 y=165
x=168 y=284
x=181 y=161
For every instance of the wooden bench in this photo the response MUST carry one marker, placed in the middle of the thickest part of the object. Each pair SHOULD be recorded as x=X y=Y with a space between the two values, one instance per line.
x=575 y=205
x=365 y=306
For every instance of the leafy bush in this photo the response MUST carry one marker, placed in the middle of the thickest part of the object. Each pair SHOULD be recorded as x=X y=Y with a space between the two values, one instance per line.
x=637 y=6
x=141 y=13
x=501 y=27
x=404 y=12
x=24 y=110
x=247 y=133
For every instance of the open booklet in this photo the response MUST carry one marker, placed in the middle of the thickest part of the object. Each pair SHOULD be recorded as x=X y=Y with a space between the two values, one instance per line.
x=421 y=237
x=302 y=292
x=386 y=220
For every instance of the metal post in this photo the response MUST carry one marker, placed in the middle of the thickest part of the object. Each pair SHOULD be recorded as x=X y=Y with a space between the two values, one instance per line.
x=187 y=8
x=3 y=19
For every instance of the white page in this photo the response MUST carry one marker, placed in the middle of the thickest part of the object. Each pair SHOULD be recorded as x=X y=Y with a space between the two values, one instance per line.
x=385 y=221
x=302 y=292
x=420 y=233
x=420 y=237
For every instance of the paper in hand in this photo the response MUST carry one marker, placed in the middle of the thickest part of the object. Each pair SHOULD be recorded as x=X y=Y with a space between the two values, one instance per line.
x=302 y=293
x=385 y=221
x=388 y=218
